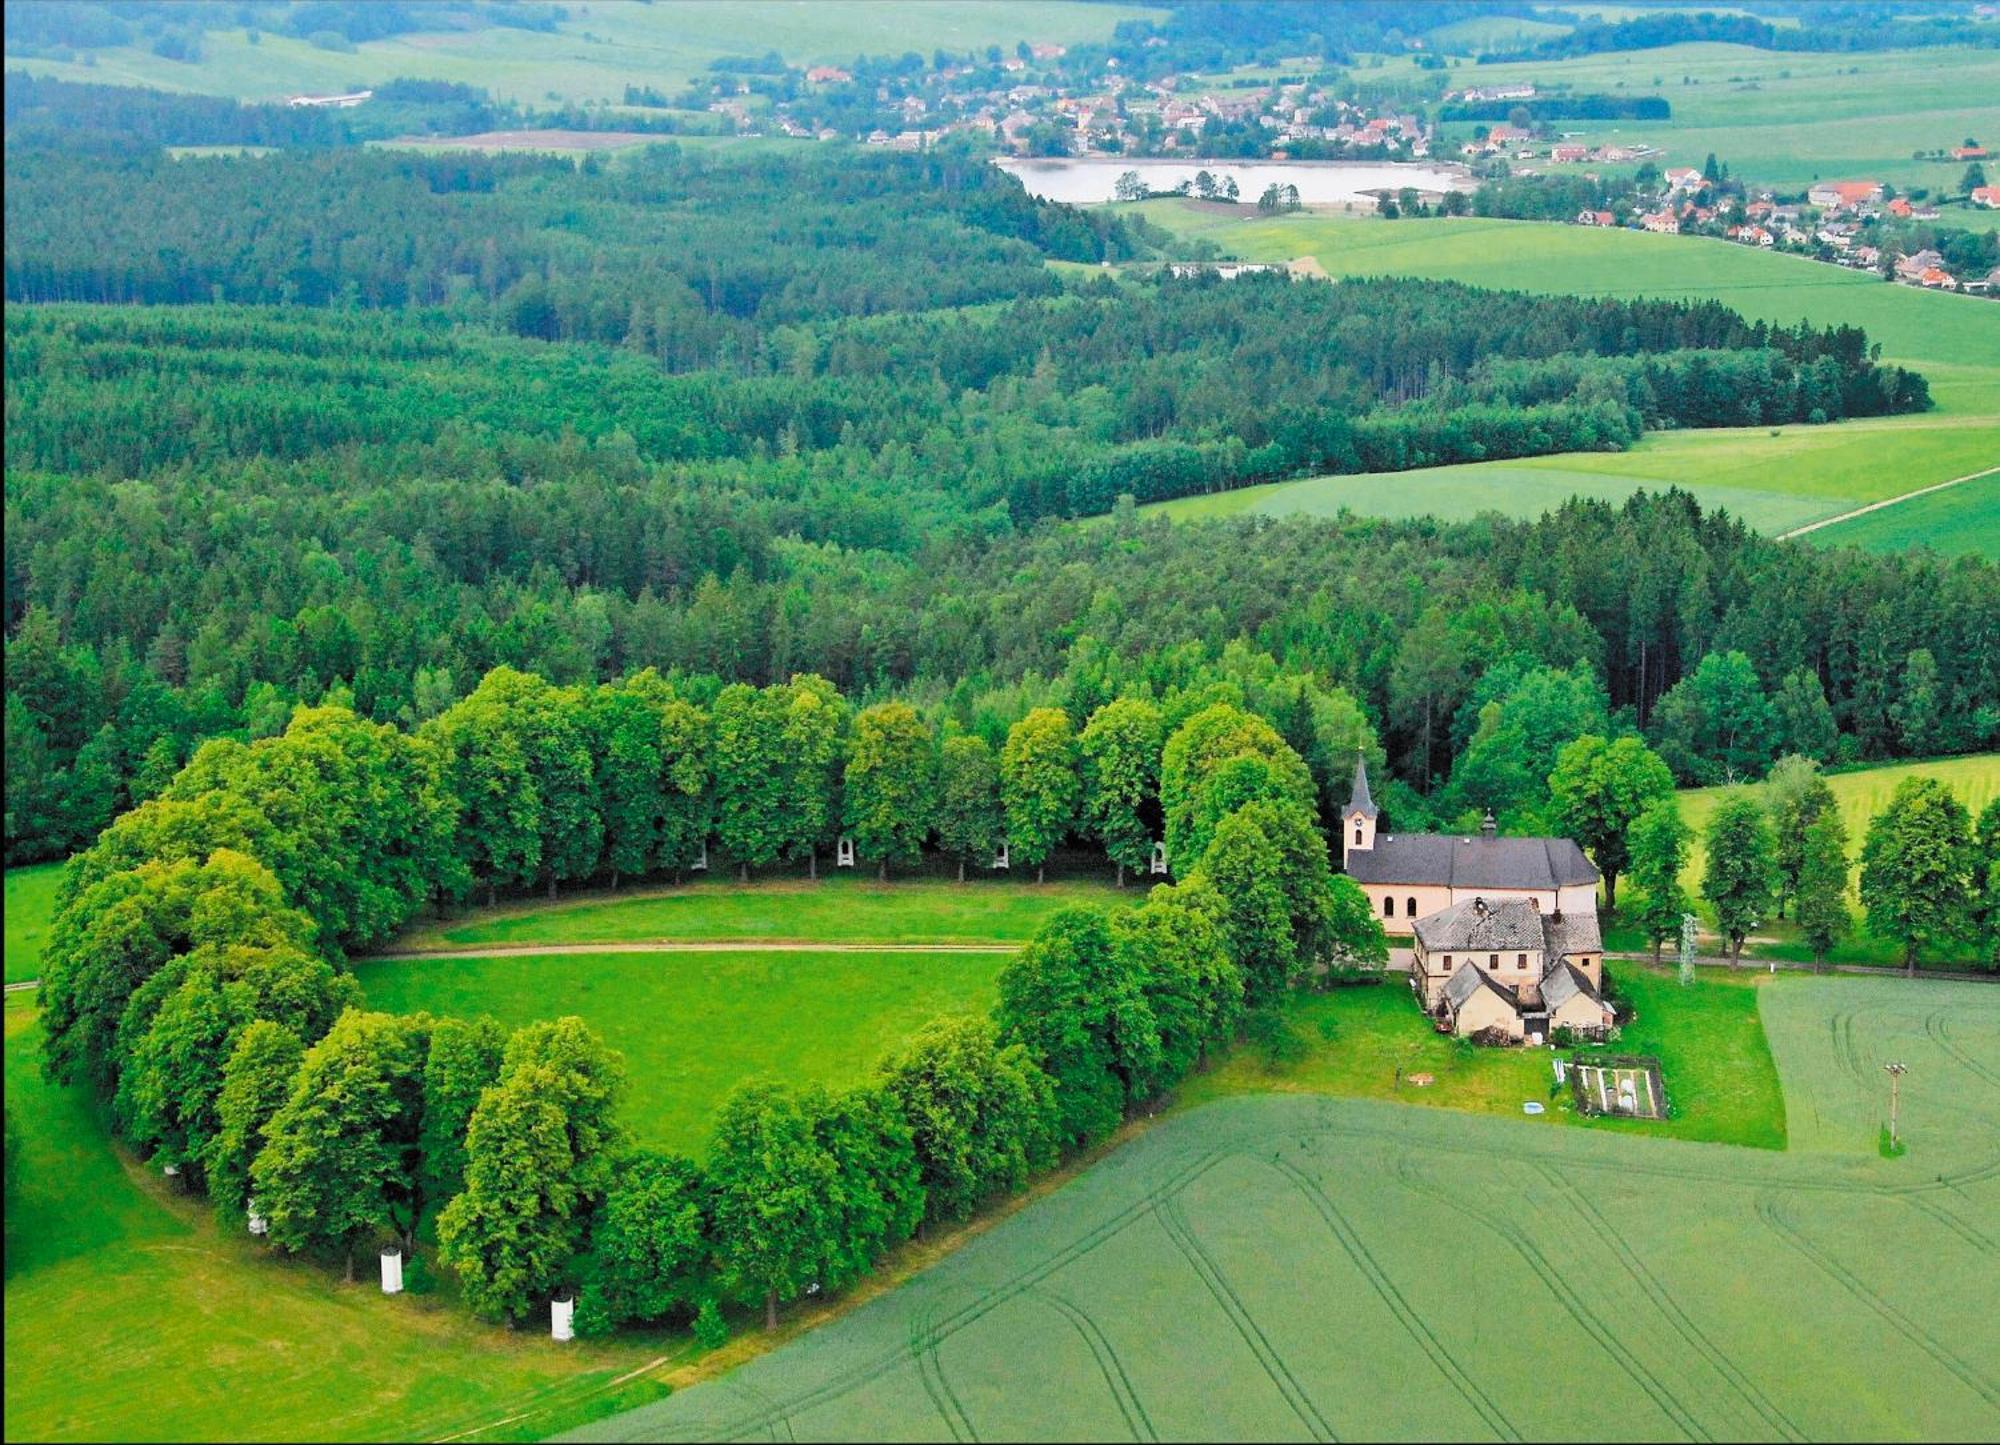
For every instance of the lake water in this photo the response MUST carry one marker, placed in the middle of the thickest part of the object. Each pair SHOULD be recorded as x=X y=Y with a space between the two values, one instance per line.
x=1320 y=183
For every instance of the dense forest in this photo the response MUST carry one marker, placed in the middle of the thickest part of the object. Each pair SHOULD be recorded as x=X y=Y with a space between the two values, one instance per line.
x=479 y=416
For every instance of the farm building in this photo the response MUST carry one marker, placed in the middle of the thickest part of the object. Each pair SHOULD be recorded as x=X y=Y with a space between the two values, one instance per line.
x=1408 y=876
x=1506 y=969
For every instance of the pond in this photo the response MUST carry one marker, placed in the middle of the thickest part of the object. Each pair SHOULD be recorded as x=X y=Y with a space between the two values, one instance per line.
x=1320 y=183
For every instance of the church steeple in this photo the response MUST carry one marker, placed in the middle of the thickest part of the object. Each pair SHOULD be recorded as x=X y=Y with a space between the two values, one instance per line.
x=1357 y=819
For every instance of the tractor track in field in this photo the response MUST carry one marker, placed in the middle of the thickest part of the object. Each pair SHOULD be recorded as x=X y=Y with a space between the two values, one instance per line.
x=939 y=1329
x=1385 y=1289
x=1174 y=1221
x=1935 y=1026
x=1663 y=1300
x=1108 y=1364
x=1885 y=502
x=1574 y=1305
x=925 y=1337
x=1967 y=1232
x=1770 y=1211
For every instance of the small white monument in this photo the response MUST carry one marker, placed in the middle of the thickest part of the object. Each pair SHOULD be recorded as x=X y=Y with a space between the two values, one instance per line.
x=259 y=1225
x=843 y=853
x=562 y=1315
x=392 y=1270
x=1000 y=858
x=1159 y=863
x=700 y=865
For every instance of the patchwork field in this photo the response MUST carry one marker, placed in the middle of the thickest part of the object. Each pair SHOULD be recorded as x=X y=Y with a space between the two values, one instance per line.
x=1292 y=1267
x=1777 y=479
x=600 y=48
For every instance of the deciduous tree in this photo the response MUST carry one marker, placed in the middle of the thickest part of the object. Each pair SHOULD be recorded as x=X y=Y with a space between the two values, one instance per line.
x=1738 y=877
x=1917 y=870
x=1039 y=785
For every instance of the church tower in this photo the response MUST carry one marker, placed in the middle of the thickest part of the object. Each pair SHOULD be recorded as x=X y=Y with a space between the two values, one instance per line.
x=1357 y=819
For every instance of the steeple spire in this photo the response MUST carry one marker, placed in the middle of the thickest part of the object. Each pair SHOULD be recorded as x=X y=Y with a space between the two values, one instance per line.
x=1360 y=802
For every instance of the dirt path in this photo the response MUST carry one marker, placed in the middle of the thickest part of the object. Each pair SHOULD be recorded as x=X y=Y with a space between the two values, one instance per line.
x=1885 y=502
x=663 y=945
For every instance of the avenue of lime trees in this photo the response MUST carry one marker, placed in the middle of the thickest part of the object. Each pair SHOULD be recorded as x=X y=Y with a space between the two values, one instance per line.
x=194 y=973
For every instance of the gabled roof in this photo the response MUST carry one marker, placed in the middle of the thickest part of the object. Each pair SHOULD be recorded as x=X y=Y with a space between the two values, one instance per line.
x=1360 y=802
x=1441 y=860
x=1563 y=983
x=1565 y=935
x=1469 y=980
x=1477 y=923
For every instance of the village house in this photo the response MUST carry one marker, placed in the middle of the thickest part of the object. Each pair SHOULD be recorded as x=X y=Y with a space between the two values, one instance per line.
x=1505 y=970
x=1408 y=876
x=1844 y=195
x=1663 y=223
x=1912 y=267
x=1987 y=196
x=1596 y=218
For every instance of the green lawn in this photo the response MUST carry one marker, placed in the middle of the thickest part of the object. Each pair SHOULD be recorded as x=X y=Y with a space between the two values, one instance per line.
x=1776 y=479
x=1288 y=1266
x=840 y=908
x=132 y=1315
x=1366 y=1043
x=31 y=901
x=601 y=48
x=694 y=1025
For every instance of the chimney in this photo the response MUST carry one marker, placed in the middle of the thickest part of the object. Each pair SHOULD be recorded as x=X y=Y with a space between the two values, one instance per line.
x=1479 y=906
x=1487 y=827
x=1535 y=903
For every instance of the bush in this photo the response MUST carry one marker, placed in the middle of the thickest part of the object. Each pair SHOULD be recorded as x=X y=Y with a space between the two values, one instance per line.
x=418 y=1277
x=593 y=1319
x=1273 y=1036
x=711 y=1330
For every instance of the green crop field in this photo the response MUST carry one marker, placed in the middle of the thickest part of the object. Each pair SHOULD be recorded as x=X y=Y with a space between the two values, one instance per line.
x=601 y=47
x=31 y=901
x=840 y=908
x=1292 y=1267
x=694 y=1025
x=1785 y=118
x=1776 y=479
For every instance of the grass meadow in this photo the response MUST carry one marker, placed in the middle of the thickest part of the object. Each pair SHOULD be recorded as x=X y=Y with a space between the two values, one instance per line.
x=694 y=1025
x=1776 y=479
x=1289 y=1266
x=600 y=48
x=839 y=908
x=31 y=902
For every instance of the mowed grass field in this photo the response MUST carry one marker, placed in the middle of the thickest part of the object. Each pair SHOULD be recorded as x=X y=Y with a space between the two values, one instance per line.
x=601 y=47
x=840 y=908
x=1290 y=1267
x=1777 y=479
x=1367 y=1043
x=692 y=1026
x=31 y=902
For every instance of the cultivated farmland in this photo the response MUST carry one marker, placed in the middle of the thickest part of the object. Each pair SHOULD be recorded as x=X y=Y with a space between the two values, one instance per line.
x=1776 y=479
x=598 y=49
x=1300 y=1268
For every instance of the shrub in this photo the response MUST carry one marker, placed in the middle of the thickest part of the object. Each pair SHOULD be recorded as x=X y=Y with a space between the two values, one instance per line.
x=593 y=1319
x=711 y=1330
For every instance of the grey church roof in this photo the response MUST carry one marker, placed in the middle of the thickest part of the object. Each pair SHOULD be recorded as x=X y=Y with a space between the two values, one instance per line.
x=1360 y=802
x=1572 y=933
x=1442 y=860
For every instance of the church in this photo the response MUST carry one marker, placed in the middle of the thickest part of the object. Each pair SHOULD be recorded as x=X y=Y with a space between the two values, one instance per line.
x=1504 y=930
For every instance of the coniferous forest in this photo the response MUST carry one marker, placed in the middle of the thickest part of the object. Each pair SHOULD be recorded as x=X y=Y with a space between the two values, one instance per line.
x=362 y=426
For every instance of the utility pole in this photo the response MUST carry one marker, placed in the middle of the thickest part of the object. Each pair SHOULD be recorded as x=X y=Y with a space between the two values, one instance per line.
x=1895 y=1073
